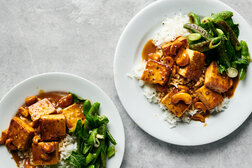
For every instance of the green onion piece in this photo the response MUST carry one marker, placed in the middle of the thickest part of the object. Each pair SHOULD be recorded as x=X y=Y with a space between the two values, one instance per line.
x=215 y=42
x=193 y=36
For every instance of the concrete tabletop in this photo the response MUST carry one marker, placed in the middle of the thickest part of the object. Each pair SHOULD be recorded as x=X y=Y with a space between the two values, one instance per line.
x=80 y=37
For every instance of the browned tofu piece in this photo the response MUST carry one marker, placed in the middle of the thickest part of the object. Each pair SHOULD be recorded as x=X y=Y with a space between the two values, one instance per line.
x=215 y=81
x=20 y=133
x=178 y=109
x=42 y=107
x=65 y=101
x=53 y=127
x=194 y=69
x=156 y=73
x=45 y=153
x=171 y=48
x=208 y=97
x=23 y=111
x=73 y=113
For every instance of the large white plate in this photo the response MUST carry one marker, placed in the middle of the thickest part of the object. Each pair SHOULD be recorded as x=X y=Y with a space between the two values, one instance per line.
x=128 y=53
x=61 y=82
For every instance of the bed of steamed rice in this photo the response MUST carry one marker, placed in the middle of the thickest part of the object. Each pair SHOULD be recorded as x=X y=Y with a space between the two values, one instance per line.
x=66 y=146
x=170 y=29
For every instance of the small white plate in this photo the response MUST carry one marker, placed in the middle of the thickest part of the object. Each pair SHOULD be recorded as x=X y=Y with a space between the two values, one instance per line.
x=61 y=82
x=128 y=53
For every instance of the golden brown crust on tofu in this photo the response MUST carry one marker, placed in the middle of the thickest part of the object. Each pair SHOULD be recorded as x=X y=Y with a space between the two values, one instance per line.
x=65 y=101
x=215 y=81
x=208 y=97
x=42 y=107
x=171 y=48
x=20 y=133
x=178 y=109
x=73 y=113
x=52 y=127
x=3 y=136
x=194 y=69
x=45 y=153
x=156 y=73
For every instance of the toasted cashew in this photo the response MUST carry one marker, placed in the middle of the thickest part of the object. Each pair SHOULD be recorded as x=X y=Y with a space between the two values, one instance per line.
x=31 y=100
x=10 y=145
x=168 y=61
x=36 y=139
x=154 y=56
x=183 y=60
x=185 y=97
x=48 y=148
x=200 y=105
x=198 y=117
x=24 y=112
x=183 y=88
x=3 y=137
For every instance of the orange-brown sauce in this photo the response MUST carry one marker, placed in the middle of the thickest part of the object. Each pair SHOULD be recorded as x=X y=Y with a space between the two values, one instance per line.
x=231 y=91
x=149 y=48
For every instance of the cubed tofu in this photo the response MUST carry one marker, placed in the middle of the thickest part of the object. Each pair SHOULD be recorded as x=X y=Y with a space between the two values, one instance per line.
x=215 y=81
x=156 y=73
x=178 y=109
x=42 y=107
x=45 y=153
x=171 y=48
x=73 y=113
x=20 y=133
x=195 y=67
x=208 y=97
x=52 y=127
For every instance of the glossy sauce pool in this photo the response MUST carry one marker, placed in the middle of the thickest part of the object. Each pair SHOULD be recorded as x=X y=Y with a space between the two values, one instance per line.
x=149 y=48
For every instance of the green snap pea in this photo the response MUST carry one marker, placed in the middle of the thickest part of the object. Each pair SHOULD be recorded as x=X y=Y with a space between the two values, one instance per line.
x=86 y=107
x=222 y=15
x=194 y=18
x=197 y=29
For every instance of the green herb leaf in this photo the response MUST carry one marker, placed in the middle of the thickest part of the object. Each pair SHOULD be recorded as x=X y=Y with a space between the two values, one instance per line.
x=77 y=160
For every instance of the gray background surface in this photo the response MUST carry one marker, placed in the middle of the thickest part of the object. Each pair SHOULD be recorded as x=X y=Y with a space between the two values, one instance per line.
x=80 y=37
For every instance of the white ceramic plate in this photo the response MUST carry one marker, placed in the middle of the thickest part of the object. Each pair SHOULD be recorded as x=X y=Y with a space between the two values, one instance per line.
x=128 y=53
x=61 y=82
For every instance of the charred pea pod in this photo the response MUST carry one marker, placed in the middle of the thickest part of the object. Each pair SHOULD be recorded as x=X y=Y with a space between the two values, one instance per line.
x=210 y=26
x=223 y=55
x=194 y=18
x=86 y=107
x=197 y=29
x=244 y=56
x=228 y=30
x=215 y=42
x=242 y=73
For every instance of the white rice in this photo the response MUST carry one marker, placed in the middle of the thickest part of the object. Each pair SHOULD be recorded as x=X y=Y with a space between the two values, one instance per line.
x=170 y=29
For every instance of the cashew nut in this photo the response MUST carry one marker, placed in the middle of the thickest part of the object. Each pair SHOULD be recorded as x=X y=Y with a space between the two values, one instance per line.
x=45 y=157
x=183 y=60
x=3 y=137
x=48 y=148
x=154 y=56
x=10 y=145
x=185 y=97
x=36 y=139
x=168 y=61
x=200 y=105
x=183 y=88
x=31 y=100
x=198 y=117
x=24 y=112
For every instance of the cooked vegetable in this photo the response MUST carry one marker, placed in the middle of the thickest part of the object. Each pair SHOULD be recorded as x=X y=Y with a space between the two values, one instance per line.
x=198 y=29
x=77 y=99
x=93 y=139
x=194 y=18
x=219 y=41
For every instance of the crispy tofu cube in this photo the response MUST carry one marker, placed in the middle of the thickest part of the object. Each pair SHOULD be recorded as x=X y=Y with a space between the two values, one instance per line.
x=73 y=113
x=178 y=109
x=208 y=97
x=215 y=81
x=194 y=69
x=42 y=107
x=171 y=48
x=20 y=133
x=53 y=127
x=45 y=153
x=156 y=73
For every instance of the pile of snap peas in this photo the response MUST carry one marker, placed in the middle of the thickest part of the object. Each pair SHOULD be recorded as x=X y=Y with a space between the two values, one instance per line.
x=217 y=37
x=93 y=138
